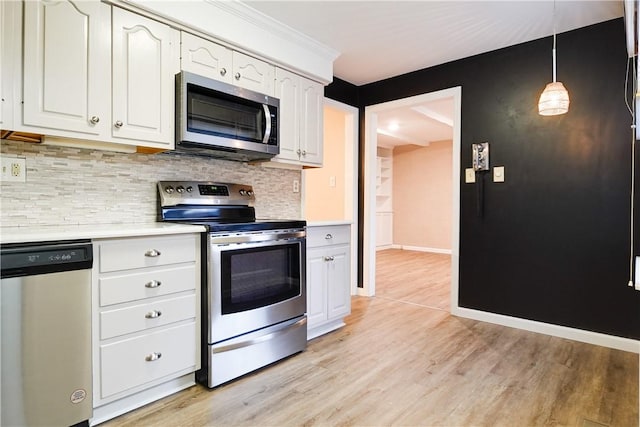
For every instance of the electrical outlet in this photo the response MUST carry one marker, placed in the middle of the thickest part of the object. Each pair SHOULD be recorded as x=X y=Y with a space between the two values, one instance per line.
x=296 y=186
x=14 y=169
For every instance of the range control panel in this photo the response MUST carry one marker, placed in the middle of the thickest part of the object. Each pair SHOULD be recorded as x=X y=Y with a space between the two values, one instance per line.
x=173 y=193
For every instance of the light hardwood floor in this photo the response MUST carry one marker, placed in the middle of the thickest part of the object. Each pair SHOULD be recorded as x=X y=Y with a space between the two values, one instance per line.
x=405 y=364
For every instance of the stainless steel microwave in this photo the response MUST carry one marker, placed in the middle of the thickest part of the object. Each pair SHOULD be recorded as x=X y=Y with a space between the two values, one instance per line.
x=217 y=119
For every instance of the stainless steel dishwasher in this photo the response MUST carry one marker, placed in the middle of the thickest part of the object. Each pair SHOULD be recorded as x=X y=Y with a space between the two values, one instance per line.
x=45 y=332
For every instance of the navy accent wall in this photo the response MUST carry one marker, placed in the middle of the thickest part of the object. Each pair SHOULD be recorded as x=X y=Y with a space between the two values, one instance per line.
x=553 y=242
x=342 y=91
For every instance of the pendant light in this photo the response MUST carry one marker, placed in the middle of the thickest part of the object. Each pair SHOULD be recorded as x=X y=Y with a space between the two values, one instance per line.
x=555 y=98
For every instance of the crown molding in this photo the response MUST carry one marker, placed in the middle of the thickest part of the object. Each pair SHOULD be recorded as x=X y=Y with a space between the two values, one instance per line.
x=245 y=29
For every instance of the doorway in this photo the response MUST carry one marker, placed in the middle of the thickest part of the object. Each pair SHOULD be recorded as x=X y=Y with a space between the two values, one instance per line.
x=372 y=115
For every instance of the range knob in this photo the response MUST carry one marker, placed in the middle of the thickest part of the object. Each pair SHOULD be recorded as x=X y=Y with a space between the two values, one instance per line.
x=189 y=189
x=180 y=189
x=243 y=192
x=250 y=193
x=168 y=189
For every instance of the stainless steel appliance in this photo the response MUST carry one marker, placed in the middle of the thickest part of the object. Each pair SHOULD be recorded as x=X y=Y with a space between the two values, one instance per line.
x=254 y=286
x=221 y=120
x=45 y=332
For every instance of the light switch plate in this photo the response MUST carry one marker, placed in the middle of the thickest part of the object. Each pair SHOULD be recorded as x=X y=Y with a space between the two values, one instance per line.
x=498 y=174
x=469 y=176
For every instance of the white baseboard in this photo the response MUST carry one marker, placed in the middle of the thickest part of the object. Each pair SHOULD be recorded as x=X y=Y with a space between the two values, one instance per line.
x=619 y=343
x=422 y=249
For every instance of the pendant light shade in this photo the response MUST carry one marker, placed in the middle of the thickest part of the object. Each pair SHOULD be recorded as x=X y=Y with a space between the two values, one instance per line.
x=555 y=97
x=554 y=100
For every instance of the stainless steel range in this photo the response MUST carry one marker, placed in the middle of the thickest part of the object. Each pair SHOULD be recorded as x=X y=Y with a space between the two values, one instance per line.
x=254 y=286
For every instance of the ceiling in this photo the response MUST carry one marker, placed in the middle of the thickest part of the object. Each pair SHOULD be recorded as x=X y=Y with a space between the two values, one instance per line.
x=382 y=39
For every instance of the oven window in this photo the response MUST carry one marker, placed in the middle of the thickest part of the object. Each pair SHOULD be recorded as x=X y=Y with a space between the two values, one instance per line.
x=260 y=276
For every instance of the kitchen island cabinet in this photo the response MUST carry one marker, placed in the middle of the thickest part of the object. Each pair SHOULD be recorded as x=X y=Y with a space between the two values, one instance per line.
x=328 y=276
x=146 y=320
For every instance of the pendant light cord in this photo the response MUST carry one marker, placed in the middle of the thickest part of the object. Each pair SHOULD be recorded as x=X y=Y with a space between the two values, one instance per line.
x=553 y=51
x=632 y=111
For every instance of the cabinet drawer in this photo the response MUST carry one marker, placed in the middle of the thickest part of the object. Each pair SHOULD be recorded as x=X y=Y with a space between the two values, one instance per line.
x=154 y=283
x=124 y=364
x=328 y=235
x=146 y=252
x=123 y=321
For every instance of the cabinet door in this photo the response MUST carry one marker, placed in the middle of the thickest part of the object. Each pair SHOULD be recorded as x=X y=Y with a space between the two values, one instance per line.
x=253 y=74
x=145 y=62
x=311 y=124
x=287 y=87
x=205 y=58
x=338 y=286
x=384 y=229
x=316 y=287
x=66 y=65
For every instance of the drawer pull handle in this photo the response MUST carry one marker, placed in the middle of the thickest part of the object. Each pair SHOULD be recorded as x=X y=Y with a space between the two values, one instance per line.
x=152 y=253
x=153 y=356
x=153 y=314
x=328 y=236
x=153 y=284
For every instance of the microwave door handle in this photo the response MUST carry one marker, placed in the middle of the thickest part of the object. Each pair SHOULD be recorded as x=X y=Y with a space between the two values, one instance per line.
x=267 y=124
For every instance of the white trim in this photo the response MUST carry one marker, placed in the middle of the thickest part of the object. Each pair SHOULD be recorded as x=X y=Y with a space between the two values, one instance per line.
x=422 y=249
x=625 y=344
x=369 y=244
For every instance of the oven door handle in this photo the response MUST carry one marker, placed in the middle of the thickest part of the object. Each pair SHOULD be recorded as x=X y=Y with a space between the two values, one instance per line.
x=256 y=238
x=282 y=330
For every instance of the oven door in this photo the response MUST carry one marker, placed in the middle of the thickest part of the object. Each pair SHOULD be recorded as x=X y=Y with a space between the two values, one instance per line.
x=255 y=280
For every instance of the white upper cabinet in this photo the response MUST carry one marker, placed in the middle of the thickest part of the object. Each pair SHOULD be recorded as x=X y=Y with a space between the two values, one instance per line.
x=66 y=65
x=288 y=91
x=253 y=74
x=205 y=58
x=301 y=123
x=209 y=59
x=311 y=122
x=97 y=73
x=145 y=62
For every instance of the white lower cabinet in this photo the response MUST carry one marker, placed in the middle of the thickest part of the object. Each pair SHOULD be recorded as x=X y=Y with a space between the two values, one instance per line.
x=146 y=320
x=328 y=278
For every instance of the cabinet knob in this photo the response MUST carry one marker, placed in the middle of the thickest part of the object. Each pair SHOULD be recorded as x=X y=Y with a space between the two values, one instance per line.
x=328 y=236
x=153 y=356
x=329 y=258
x=94 y=120
x=153 y=314
x=223 y=72
x=298 y=152
x=153 y=284
x=304 y=152
x=118 y=124
x=152 y=253
x=237 y=76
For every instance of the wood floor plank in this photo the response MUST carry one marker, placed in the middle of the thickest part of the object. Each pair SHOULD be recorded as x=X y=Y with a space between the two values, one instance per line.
x=402 y=360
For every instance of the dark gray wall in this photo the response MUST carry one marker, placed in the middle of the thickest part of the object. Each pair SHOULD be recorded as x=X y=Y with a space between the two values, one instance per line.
x=553 y=242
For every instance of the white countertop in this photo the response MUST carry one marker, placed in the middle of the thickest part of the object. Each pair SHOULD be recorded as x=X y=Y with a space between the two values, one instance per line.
x=325 y=223
x=44 y=233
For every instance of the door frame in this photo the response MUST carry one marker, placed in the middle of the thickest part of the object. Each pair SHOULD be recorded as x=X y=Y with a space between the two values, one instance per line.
x=370 y=148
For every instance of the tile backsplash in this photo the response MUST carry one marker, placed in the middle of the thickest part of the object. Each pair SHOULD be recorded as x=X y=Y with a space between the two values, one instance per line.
x=79 y=186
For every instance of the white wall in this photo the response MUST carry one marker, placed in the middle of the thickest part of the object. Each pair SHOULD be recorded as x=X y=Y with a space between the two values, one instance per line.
x=422 y=197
